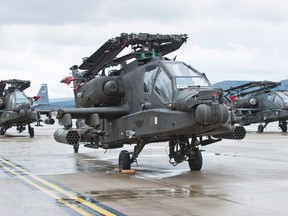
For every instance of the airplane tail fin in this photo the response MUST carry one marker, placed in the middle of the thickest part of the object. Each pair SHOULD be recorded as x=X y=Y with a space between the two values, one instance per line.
x=43 y=96
x=76 y=78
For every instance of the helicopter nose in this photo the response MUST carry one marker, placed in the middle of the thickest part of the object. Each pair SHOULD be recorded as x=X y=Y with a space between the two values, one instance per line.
x=214 y=114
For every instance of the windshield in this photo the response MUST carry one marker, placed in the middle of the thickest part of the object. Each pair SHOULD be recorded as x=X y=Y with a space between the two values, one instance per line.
x=283 y=96
x=280 y=98
x=163 y=86
x=185 y=77
x=190 y=81
x=149 y=77
x=21 y=98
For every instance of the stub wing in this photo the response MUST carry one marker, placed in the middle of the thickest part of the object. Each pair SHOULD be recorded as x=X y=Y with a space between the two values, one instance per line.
x=65 y=116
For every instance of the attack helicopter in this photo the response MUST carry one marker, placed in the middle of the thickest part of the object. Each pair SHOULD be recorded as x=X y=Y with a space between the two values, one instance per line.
x=257 y=102
x=144 y=97
x=16 y=108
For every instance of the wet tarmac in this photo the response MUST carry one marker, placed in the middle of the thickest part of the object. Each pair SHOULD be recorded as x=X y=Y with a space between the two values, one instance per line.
x=39 y=176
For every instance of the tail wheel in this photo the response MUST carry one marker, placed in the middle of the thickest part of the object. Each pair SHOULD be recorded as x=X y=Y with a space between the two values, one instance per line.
x=124 y=160
x=195 y=162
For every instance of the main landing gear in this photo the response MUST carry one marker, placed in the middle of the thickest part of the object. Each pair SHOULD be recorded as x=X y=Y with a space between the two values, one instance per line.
x=282 y=125
x=21 y=127
x=125 y=160
x=30 y=130
x=181 y=149
x=261 y=128
x=2 y=131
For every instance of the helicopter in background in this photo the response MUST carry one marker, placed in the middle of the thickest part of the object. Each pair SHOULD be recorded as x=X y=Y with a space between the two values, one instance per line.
x=257 y=102
x=16 y=108
x=143 y=97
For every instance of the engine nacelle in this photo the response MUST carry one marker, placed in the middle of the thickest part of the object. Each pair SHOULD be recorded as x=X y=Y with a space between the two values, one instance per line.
x=103 y=90
x=246 y=102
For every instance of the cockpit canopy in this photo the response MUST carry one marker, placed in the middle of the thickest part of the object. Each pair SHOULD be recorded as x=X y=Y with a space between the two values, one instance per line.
x=21 y=98
x=18 y=99
x=185 y=76
x=281 y=100
x=170 y=76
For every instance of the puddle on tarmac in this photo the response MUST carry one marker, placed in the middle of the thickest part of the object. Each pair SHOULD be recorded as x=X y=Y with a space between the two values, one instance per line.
x=111 y=195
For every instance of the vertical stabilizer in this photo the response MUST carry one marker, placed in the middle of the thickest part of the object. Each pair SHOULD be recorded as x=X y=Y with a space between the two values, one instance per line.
x=43 y=94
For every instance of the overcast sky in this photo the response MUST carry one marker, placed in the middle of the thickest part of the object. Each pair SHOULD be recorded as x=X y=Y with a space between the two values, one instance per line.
x=228 y=40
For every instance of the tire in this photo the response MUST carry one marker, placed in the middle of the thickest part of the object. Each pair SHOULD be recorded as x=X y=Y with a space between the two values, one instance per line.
x=2 y=131
x=196 y=162
x=260 y=128
x=31 y=132
x=76 y=147
x=284 y=126
x=124 y=161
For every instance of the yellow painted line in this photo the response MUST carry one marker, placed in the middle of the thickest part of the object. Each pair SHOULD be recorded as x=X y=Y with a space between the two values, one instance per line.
x=68 y=194
x=72 y=206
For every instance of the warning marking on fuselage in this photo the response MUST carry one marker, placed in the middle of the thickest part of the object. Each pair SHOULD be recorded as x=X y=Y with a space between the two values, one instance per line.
x=62 y=195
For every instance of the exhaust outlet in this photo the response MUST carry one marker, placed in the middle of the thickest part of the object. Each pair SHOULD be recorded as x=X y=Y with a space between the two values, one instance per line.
x=65 y=136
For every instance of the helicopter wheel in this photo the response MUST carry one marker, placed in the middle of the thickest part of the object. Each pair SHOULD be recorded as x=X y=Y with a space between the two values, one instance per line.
x=2 y=131
x=76 y=147
x=195 y=162
x=283 y=126
x=124 y=161
x=260 y=128
x=31 y=131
